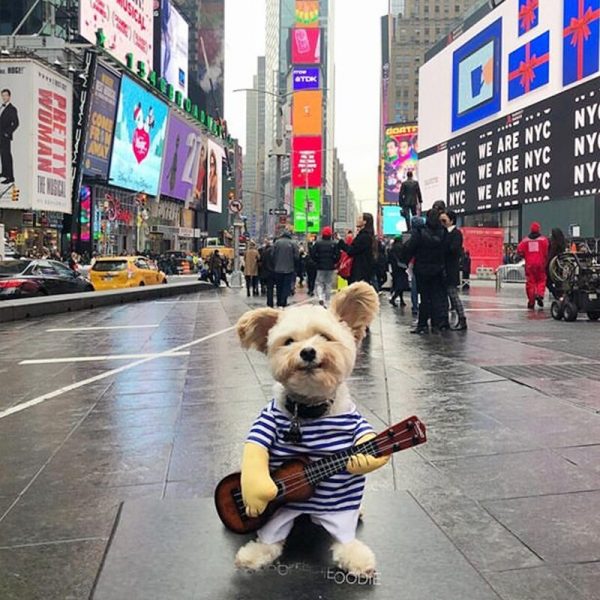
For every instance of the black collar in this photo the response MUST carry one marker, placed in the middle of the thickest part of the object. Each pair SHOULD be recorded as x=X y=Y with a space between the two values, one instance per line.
x=307 y=411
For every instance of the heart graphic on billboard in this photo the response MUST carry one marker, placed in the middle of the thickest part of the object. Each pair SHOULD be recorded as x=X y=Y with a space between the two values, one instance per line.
x=141 y=144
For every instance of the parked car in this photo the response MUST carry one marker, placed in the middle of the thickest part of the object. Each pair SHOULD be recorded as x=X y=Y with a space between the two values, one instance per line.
x=113 y=272
x=27 y=278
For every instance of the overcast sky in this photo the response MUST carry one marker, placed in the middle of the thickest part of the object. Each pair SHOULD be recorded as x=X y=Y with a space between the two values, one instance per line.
x=358 y=67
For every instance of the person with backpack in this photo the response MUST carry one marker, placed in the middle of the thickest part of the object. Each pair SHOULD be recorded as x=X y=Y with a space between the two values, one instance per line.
x=325 y=254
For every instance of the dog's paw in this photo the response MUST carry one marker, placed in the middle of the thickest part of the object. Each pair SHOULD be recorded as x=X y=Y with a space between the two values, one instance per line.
x=256 y=555
x=355 y=557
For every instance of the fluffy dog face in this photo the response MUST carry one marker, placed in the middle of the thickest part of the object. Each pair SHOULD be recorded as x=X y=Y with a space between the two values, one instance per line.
x=312 y=350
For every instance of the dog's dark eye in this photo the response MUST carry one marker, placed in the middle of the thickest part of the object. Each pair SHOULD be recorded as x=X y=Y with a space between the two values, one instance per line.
x=326 y=337
x=288 y=342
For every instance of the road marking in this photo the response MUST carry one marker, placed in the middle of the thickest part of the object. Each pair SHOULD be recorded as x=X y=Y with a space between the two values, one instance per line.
x=102 y=328
x=74 y=359
x=186 y=301
x=79 y=384
x=497 y=309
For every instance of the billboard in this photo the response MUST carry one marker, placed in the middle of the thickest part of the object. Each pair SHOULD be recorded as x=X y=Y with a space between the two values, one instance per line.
x=128 y=27
x=307 y=113
x=307 y=13
x=307 y=203
x=36 y=130
x=182 y=158
x=139 y=139
x=308 y=78
x=400 y=155
x=174 y=37
x=306 y=46
x=548 y=150
x=214 y=183
x=101 y=122
x=393 y=221
x=307 y=162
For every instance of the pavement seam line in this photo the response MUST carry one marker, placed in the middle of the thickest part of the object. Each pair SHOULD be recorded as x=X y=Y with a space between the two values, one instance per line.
x=74 y=386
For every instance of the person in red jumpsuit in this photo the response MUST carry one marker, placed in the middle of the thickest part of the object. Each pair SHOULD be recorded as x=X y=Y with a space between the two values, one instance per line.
x=534 y=249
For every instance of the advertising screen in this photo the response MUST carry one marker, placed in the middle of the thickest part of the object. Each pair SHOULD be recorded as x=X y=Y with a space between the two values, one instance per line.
x=306 y=46
x=215 y=175
x=85 y=213
x=101 y=123
x=400 y=155
x=307 y=163
x=183 y=149
x=37 y=126
x=307 y=113
x=307 y=203
x=174 y=39
x=127 y=25
x=306 y=79
x=393 y=222
x=307 y=13
x=139 y=139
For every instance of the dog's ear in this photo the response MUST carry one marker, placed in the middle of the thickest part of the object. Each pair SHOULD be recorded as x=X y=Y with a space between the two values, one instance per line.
x=356 y=306
x=253 y=328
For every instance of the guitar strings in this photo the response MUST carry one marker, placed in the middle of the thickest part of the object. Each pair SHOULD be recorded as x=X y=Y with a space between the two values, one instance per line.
x=300 y=477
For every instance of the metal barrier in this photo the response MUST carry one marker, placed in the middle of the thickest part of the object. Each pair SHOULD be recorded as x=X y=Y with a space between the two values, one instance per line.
x=485 y=273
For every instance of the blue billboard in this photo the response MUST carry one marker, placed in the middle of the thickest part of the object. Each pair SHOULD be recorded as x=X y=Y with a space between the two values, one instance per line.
x=306 y=79
x=393 y=221
x=139 y=139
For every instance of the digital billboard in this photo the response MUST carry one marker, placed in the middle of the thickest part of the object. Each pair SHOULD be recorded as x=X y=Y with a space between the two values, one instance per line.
x=214 y=189
x=37 y=123
x=529 y=66
x=307 y=203
x=477 y=76
x=139 y=139
x=393 y=221
x=306 y=46
x=307 y=113
x=307 y=162
x=101 y=122
x=306 y=79
x=307 y=13
x=182 y=158
x=174 y=48
x=85 y=214
x=581 y=31
x=127 y=27
x=400 y=155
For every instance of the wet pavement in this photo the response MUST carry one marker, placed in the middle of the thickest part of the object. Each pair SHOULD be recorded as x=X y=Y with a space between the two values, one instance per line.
x=95 y=455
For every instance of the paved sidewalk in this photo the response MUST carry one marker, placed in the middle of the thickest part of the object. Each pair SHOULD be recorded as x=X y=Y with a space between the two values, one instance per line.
x=508 y=484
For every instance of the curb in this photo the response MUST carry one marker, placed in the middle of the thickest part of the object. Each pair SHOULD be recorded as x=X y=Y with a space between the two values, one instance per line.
x=15 y=310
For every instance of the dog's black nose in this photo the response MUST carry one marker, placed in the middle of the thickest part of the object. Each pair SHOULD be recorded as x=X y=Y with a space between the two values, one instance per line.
x=308 y=354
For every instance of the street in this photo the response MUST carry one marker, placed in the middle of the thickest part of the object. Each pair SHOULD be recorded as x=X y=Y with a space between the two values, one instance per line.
x=153 y=400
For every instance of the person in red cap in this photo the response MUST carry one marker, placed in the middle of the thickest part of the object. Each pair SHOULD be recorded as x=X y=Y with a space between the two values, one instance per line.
x=325 y=254
x=534 y=249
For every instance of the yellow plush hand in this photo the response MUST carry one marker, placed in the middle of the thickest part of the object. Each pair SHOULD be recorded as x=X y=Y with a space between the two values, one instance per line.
x=361 y=464
x=258 y=489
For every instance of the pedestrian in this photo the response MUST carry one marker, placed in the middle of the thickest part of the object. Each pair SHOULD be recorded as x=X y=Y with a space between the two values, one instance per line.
x=466 y=268
x=285 y=259
x=534 y=249
x=558 y=245
x=381 y=265
x=428 y=247
x=410 y=198
x=311 y=269
x=362 y=250
x=325 y=253
x=454 y=252
x=301 y=266
x=251 y=260
x=416 y=223
x=400 y=283
x=262 y=272
x=226 y=269
x=215 y=266
x=268 y=271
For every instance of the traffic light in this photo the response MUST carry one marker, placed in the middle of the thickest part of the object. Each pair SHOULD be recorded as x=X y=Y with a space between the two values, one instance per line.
x=14 y=194
x=231 y=195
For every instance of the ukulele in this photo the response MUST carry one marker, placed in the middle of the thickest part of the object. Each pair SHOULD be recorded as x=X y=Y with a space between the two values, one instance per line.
x=296 y=479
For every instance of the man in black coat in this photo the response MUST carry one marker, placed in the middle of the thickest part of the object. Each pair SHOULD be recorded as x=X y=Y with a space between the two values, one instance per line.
x=427 y=246
x=9 y=121
x=410 y=198
x=454 y=252
x=325 y=253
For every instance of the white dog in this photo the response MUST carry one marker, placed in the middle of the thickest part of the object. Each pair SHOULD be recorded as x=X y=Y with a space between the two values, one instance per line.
x=312 y=352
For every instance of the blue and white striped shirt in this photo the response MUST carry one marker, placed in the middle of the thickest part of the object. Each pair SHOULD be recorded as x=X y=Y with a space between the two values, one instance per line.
x=320 y=438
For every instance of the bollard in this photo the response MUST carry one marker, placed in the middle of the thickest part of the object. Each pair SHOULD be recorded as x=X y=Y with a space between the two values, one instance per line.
x=498 y=281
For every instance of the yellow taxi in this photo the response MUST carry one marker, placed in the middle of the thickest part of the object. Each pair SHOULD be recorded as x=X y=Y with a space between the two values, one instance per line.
x=113 y=272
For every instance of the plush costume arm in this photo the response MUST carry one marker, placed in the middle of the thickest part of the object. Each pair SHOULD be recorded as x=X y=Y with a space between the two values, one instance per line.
x=361 y=464
x=258 y=489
